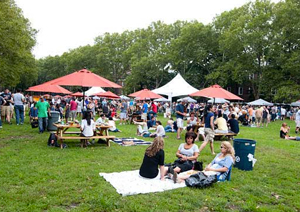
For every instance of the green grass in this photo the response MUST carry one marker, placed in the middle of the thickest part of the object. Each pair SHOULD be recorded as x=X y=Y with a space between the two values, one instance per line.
x=35 y=177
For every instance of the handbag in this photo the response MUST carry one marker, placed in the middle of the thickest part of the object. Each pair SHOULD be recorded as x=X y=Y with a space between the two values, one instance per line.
x=198 y=165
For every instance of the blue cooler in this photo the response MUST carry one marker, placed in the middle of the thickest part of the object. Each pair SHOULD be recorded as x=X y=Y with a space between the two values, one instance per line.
x=244 y=153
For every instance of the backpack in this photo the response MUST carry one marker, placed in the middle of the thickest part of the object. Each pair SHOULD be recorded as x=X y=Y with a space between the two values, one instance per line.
x=200 y=180
x=52 y=140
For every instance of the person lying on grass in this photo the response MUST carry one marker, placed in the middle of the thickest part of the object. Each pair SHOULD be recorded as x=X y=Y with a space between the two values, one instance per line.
x=142 y=129
x=154 y=157
x=284 y=130
x=187 y=153
x=221 y=164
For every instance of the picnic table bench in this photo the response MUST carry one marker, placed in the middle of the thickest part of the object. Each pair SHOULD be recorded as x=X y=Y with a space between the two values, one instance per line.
x=63 y=133
x=228 y=135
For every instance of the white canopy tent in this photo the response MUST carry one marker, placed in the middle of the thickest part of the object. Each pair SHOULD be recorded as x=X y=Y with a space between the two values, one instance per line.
x=176 y=87
x=295 y=104
x=218 y=100
x=260 y=102
x=124 y=97
x=161 y=100
x=94 y=90
x=187 y=99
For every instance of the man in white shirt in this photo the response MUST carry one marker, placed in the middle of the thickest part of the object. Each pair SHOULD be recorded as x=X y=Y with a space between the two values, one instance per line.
x=19 y=100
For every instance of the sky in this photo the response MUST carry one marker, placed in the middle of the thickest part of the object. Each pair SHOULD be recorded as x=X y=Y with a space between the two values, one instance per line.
x=67 y=24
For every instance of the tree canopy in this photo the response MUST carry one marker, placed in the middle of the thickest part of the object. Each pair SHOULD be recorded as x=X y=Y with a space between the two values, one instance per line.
x=256 y=45
x=17 y=39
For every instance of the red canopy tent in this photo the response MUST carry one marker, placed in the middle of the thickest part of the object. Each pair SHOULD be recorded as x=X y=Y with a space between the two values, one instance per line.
x=145 y=94
x=107 y=94
x=84 y=78
x=216 y=91
x=47 y=87
x=77 y=94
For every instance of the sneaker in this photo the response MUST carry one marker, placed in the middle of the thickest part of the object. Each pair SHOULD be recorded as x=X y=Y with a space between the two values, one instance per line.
x=0 y=127
x=21 y=123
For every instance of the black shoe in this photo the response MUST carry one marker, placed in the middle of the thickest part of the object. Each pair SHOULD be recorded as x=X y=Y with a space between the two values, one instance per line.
x=171 y=170
x=175 y=177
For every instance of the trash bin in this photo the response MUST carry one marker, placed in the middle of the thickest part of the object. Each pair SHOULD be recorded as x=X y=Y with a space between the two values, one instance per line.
x=51 y=120
x=244 y=153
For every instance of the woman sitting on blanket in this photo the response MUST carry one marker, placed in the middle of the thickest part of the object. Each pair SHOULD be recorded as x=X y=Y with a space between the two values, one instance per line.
x=187 y=154
x=154 y=157
x=221 y=164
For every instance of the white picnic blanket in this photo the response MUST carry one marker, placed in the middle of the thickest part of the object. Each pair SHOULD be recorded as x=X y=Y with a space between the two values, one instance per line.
x=131 y=183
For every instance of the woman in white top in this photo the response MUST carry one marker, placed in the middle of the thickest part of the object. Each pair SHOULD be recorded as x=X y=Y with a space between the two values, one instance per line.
x=79 y=106
x=87 y=127
x=187 y=154
x=160 y=130
x=192 y=120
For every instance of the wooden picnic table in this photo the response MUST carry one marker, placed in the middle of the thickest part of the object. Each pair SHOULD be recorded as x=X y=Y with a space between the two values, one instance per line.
x=63 y=133
x=197 y=126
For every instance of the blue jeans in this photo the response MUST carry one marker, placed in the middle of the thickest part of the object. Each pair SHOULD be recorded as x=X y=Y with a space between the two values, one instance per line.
x=43 y=123
x=19 y=110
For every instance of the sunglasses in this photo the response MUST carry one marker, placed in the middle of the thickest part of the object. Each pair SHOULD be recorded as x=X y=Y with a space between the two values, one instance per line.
x=223 y=147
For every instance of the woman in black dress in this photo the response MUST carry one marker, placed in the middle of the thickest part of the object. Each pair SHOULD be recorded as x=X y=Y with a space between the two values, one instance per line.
x=154 y=157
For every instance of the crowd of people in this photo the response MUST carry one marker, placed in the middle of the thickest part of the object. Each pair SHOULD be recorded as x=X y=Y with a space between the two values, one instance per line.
x=220 y=118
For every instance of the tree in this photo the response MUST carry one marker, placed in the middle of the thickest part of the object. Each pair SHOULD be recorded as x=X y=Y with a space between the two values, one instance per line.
x=285 y=76
x=245 y=39
x=193 y=52
x=17 y=39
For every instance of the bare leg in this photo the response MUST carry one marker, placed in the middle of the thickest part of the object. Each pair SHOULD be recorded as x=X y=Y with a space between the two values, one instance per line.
x=212 y=148
x=179 y=132
x=203 y=145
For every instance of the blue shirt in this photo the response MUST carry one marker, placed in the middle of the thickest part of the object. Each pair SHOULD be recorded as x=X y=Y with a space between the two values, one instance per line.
x=145 y=108
x=207 y=120
x=220 y=163
x=180 y=108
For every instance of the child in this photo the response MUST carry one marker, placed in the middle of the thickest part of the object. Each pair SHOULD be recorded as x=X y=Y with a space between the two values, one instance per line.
x=67 y=112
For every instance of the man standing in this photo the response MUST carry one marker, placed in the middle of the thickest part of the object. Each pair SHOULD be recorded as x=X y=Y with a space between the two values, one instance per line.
x=43 y=109
x=123 y=114
x=145 y=111
x=19 y=100
x=179 y=115
x=73 y=108
x=5 y=112
x=2 y=101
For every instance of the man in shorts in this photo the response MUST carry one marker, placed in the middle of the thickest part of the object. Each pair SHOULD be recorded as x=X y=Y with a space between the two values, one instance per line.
x=6 y=109
x=2 y=101
x=179 y=116
x=144 y=111
x=123 y=114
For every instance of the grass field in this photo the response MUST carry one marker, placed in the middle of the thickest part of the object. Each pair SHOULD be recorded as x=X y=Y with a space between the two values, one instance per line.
x=35 y=177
